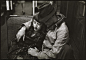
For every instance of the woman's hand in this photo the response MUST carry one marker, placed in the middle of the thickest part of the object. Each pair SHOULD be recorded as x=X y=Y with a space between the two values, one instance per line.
x=21 y=33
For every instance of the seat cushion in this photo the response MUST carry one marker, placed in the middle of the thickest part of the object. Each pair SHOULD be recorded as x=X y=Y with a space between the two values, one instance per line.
x=13 y=24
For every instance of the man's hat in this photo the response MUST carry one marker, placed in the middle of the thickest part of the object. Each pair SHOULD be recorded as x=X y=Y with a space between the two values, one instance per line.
x=46 y=14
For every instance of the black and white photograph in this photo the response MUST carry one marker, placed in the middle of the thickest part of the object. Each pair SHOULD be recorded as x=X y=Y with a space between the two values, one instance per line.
x=42 y=29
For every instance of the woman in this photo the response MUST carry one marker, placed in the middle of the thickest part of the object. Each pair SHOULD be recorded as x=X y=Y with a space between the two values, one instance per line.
x=30 y=37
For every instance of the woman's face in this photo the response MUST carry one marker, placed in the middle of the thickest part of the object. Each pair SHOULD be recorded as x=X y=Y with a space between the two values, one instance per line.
x=36 y=25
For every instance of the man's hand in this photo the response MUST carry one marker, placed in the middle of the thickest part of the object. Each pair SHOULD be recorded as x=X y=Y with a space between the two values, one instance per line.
x=18 y=57
x=32 y=51
x=21 y=33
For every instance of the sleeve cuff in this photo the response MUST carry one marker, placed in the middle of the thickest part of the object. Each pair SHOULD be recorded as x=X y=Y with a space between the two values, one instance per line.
x=27 y=24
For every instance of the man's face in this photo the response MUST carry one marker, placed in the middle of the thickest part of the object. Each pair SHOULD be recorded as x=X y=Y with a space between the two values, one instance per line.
x=36 y=25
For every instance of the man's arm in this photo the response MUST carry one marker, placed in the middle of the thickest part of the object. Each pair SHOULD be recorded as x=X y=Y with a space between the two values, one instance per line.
x=62 y=38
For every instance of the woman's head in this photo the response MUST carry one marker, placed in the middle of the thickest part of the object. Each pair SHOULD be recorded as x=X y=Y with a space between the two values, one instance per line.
x=39 y=26
x=36 y=25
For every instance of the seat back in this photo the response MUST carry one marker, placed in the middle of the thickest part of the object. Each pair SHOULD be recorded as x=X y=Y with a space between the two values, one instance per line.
x=13 y=24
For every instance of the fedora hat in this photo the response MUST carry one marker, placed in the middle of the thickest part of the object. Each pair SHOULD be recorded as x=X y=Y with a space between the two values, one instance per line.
x=46 y=14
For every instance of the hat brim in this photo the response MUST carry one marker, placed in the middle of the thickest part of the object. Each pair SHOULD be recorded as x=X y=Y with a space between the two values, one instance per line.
x=49 y=19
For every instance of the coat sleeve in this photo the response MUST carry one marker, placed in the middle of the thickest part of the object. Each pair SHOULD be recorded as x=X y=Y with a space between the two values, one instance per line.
x=27 y=24
x=62 y=38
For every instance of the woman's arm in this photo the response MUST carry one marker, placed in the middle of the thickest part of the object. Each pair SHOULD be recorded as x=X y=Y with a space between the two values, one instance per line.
x=21 y=32
x=27 y=24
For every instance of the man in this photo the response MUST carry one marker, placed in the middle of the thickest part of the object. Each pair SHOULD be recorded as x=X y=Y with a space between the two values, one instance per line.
x=55 y=42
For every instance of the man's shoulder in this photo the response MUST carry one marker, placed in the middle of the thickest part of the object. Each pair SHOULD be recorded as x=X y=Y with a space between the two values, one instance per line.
x=63 y=26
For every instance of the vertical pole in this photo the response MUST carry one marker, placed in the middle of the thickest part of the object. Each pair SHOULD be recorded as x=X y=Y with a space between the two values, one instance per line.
x=7 y=5
x=33 y=7
x=11 y=5
x=84 y=11
x=7 y=9
x=36 y=3
x=67 y=10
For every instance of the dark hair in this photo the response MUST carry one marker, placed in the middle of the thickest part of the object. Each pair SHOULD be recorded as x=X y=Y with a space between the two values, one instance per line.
x=52 y=27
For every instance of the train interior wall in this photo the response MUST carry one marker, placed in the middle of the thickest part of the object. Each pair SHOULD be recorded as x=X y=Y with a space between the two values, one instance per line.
x=76 y=22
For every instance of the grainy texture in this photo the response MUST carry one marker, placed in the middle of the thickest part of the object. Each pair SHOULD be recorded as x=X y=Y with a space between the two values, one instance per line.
x=76 y=24
x=13 y=25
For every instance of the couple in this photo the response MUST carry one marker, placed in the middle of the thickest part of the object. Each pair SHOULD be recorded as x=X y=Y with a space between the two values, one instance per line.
x=53 y=31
